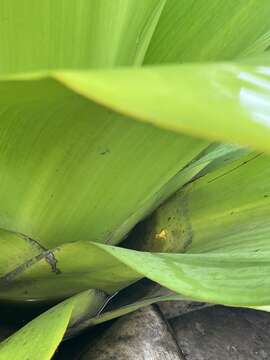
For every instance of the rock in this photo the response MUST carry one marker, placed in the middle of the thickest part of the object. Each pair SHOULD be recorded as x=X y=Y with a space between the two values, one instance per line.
x=220 y=333
x=213 y=333
x=171 y=309
x=143 y=335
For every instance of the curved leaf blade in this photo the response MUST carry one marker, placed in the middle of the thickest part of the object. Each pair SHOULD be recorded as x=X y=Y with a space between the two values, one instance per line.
x=225 y=218
x=61 y=272
x=65 y=165
x=39 y=339
x=227 y=102
x=237 y=278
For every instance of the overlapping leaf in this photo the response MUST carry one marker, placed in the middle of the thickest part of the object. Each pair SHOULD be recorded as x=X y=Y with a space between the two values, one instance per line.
x=49 y=175
x=75 y=165
x=45 y=177
x=39 y=339
x=65 y=165
x=222 y=101
x=28 y=270
x=224 y=216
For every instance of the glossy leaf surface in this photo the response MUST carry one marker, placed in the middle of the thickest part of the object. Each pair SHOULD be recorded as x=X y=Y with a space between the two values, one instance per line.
x=222 y=101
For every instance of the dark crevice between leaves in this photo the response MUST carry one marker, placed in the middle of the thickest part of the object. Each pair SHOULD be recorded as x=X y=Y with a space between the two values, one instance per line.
x=74 y=329
x=139 y=291
x=119 y=299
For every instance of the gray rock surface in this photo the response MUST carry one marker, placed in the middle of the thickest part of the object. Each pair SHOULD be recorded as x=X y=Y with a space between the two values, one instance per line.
x=143 y=335
x=220 y=333
x=212 y=333
x=172 y=309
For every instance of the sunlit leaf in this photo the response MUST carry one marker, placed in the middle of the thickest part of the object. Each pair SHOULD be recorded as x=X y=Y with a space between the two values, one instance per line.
x=220 y=101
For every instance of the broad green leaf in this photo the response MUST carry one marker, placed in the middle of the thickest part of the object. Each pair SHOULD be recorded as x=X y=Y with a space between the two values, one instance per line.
x=204 y=30
x=222 y=221
x=75 y=33
x=238 y=278
x=38 y=127
x=226 y=210
x=39 y=339
x=100 y=33
x=69 y=155
x=221 y=218
x=61 y=272
x=227 y=102
x=145 y=234
x=225 y=278
x=65 y=165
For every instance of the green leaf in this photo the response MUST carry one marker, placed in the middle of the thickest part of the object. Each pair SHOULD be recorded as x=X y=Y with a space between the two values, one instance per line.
x=226 y=102
x=227 y=260
x=58 y=273
x=65 y=165
x=81 y=34
x=238 y=278
x=217 y=156
x=144 y=236
x=38 y=127
x=214 y=30
x=39 y=339
x=66 y=151
x=230 y=279
x=222 y=220
x=75 y=34
x=227 y=210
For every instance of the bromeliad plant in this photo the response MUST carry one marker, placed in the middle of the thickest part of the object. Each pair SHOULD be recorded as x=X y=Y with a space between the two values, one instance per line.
x=108 y=109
